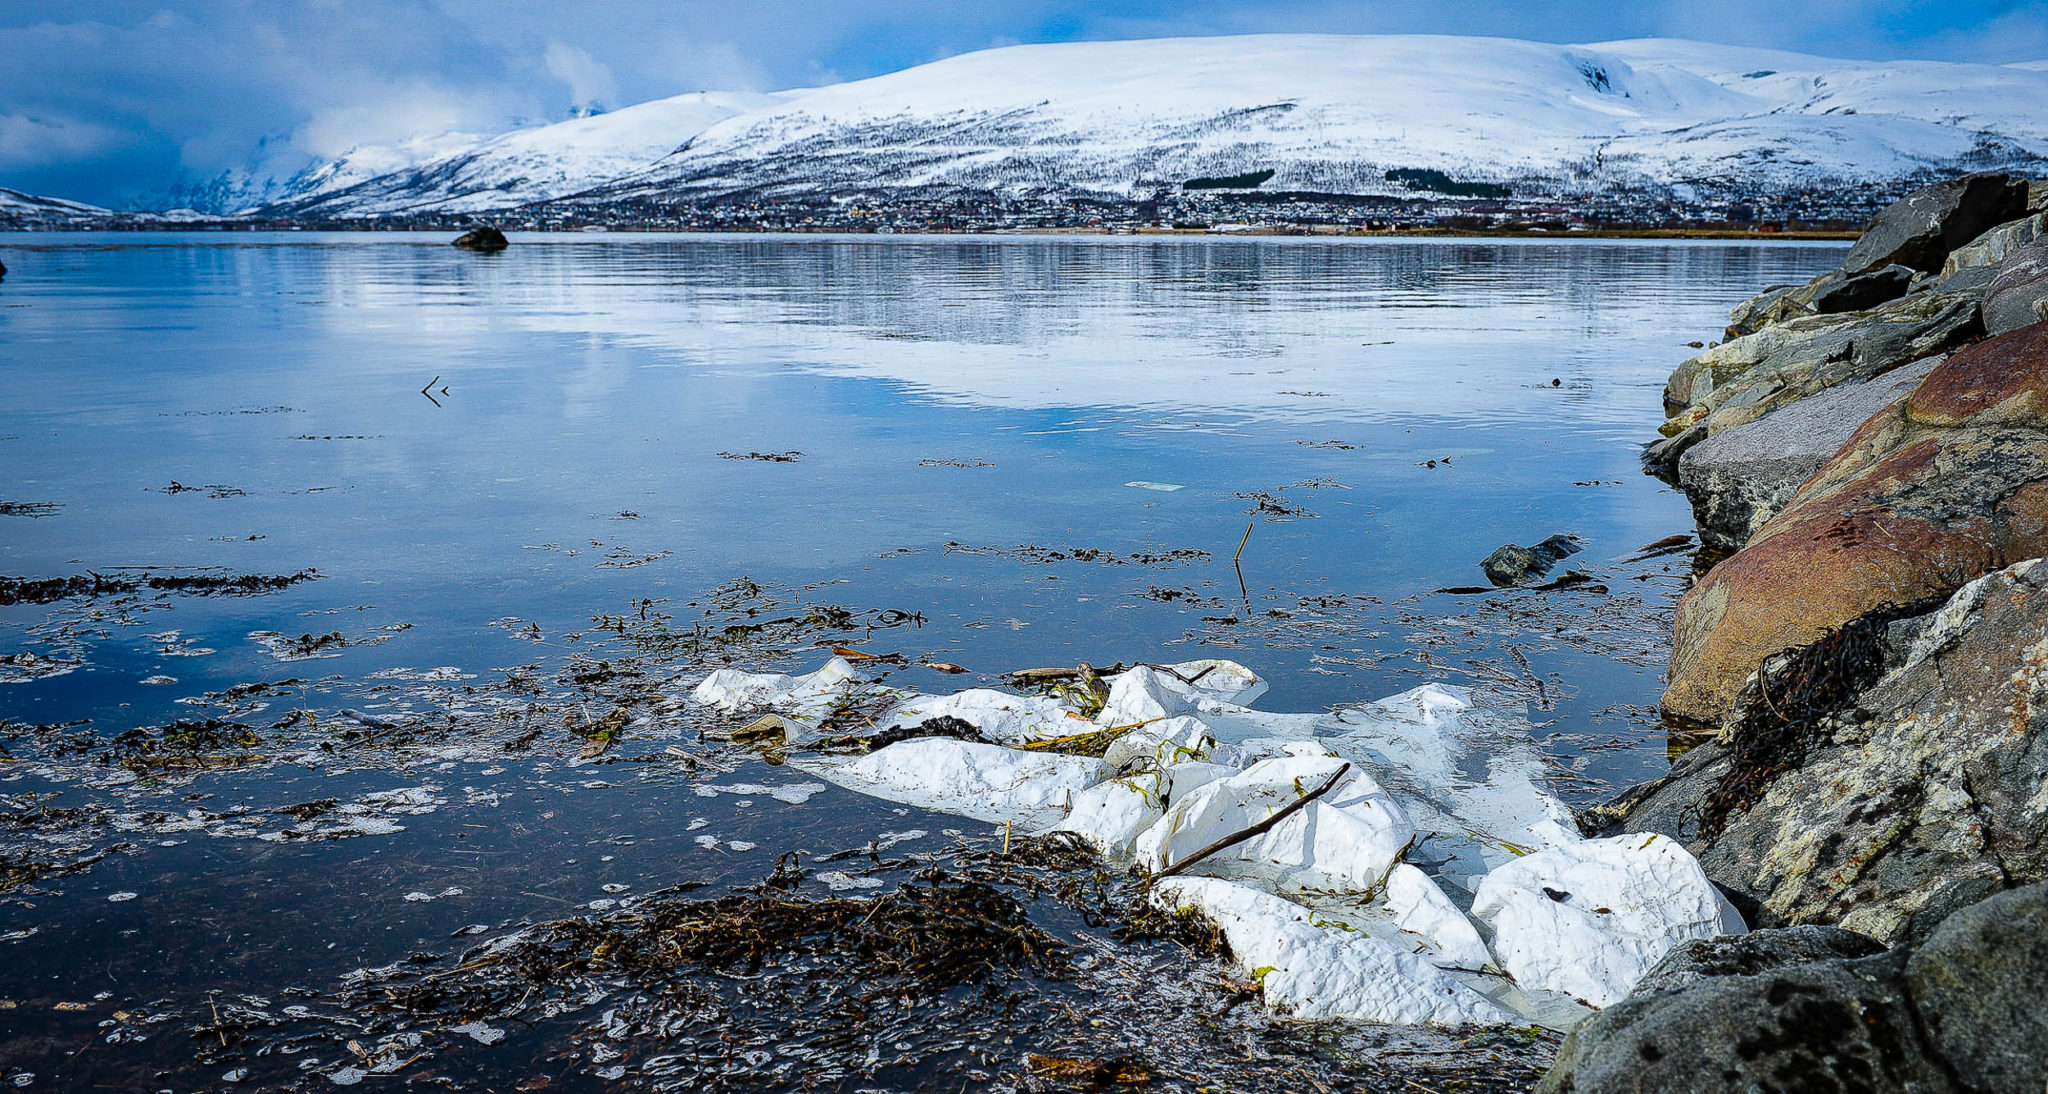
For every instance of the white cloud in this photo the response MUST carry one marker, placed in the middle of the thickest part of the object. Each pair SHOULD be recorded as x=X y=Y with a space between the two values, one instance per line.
x=590 y=81
x=33 y=142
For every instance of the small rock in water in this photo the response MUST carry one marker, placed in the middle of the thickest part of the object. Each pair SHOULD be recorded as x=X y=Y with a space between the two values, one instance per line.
x=482 y=238
x=1511 y=563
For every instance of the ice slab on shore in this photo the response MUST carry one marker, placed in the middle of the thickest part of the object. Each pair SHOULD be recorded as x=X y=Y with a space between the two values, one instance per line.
x=1000 y=716
x=1354 y=903
x=1112 y=814
x=987 y=782
x=1589 y=919
x=1346 y=840
x=1161 y=691
x=1311 y=971
x=806 y=698
x=1160 y=745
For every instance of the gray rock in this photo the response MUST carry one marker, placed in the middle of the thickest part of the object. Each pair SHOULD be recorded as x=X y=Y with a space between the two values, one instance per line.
x=1921 y=229
x=1977 y=984
x=1831 y=1026
x=1753 y=954
x=1818 y=1009
x=1922 y=797
x=2037 y=195
x=1864 y=291
x=1511 y=562
x=1740 y=381
x=1975 y=280
x=1739 y=478
x=2018 y=296
x=1760 y=311
x=1996 y=245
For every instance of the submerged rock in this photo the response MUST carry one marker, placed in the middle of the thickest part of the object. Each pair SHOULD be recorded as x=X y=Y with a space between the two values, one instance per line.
x=1512 y=563
x=1941 y=487
x=1921 y=229
x=1777 y=1012
x=482 y=238
x=1740 y=478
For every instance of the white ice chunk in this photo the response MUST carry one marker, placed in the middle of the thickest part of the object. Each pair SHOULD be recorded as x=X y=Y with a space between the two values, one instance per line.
x=1000 y=716
x=1162 y=691
x=1314 y=972
x=1111 y=814
x=1589 y=919
x=986 y=782
x=1418 y=907
x=809 y=695
x=1346 y=840
x=1156 y=746
x=1185 y=778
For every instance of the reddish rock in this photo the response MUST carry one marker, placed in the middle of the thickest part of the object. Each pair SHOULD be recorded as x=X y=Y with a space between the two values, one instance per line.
x=1943 y=486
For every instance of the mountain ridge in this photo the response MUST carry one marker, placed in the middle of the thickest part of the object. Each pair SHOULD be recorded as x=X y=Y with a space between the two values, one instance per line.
x=1394 y=116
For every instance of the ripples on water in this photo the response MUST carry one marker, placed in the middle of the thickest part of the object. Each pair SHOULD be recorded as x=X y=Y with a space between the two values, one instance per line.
x=964 y=409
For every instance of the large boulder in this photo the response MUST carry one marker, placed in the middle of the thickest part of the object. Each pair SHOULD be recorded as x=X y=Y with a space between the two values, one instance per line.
x=1740 y=478
x=1740 y=381
x=1822 y=1027
x=1920 y=793
x=1977 y=984
x=1995 y=245
x=1921 y=229
x=1963 y=1014
x=1864 y=291
x=2018 y=296
x=1947 y=484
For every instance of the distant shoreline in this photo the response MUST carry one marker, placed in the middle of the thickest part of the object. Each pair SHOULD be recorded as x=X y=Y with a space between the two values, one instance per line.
x=1292 y=232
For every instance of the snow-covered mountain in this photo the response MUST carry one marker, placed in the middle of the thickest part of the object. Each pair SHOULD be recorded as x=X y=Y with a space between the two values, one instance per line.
x=1331 y=113
x=518 y=168
x=19 y=210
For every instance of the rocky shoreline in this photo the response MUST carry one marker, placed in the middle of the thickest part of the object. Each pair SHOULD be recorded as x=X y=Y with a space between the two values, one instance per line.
x=1867 y=457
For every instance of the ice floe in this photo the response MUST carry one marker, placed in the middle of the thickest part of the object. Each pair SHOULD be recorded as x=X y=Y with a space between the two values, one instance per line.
x=1590 y=918
x=986 y=782
x=1432 y=879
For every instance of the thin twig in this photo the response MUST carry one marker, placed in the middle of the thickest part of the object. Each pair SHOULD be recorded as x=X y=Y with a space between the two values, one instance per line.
x=1292 y=808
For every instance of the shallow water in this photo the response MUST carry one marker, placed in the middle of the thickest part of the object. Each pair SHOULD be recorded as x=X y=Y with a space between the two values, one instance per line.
x=479 y=454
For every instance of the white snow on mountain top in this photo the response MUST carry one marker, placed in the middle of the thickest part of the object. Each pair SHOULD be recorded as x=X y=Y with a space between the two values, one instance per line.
x=525 y=165
x=15 y=205
x=1322 y=112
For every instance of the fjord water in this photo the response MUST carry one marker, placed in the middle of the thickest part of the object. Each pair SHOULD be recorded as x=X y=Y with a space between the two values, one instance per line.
x=481 y=453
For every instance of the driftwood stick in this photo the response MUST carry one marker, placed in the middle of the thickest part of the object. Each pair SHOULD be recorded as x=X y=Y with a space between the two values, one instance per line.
x=1292 y=808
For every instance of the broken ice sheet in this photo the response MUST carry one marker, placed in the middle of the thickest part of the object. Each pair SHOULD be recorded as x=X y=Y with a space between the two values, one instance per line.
x=1357 y=897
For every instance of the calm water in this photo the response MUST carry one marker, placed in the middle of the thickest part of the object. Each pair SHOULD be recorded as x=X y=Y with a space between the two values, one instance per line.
x=479 y=454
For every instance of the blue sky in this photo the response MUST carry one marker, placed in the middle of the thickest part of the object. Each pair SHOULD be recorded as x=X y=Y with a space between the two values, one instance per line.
x=105 y=100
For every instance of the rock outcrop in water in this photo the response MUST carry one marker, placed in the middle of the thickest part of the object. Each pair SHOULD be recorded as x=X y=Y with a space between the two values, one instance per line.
x=1809 y=1011
x=484 y=238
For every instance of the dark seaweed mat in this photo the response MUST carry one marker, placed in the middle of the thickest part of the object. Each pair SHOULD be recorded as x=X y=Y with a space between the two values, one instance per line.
x=1026 y=969
x=1789 y=706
